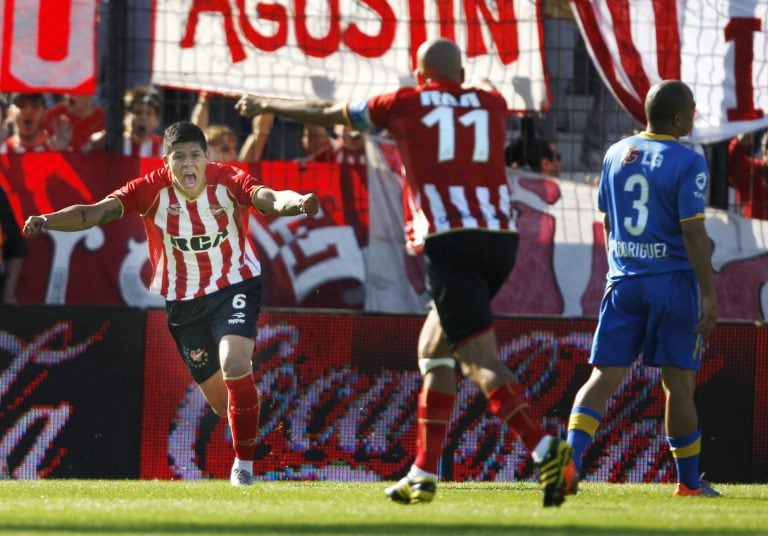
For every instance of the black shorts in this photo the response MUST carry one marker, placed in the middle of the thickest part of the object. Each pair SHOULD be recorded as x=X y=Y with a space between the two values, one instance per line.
x=465 y=270
x=198 y=325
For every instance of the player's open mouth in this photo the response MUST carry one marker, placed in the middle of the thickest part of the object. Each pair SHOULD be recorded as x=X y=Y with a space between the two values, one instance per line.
x=190 y=179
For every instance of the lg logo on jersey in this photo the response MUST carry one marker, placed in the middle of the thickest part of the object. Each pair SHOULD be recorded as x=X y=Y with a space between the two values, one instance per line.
x=199 y=242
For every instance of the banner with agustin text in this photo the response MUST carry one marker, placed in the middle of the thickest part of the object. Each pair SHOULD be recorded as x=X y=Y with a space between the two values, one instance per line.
x=344 y=50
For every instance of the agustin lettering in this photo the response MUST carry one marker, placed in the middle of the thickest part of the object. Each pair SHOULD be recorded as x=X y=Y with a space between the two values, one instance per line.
x=497 y=19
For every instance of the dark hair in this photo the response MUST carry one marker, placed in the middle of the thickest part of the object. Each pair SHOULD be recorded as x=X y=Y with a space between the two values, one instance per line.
x=20 y=98
x=529 y=152
x=143 y=95
x=181 y=132
x=666 y=99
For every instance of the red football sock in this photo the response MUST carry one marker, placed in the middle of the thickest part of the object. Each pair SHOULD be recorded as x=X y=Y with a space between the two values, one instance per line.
x=512 y=408
x=434 y=412
x=243 y=415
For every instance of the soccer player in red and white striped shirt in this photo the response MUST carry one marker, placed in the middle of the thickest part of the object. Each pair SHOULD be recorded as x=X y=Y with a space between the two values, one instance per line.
x=204 y=264
x=451 y=140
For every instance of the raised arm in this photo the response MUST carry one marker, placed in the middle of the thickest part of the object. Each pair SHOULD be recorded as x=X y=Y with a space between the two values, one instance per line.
x=317 y=112
x=285 y=202
x=75 y=217
x=699 y=250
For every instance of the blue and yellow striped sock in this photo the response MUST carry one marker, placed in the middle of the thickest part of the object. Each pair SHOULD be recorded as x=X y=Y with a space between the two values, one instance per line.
x=582 y=425
x=686 y=451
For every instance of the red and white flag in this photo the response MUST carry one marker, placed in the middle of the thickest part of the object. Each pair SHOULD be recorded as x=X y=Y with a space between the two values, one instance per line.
x=48 y=46
x=718 y=48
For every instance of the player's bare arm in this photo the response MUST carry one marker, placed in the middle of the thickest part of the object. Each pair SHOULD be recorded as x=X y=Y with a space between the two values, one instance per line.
x=315 y=111
x=285 y=202
x=699 y=249
x=75 y=217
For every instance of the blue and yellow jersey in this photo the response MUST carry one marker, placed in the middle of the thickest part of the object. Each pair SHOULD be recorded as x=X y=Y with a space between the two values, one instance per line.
x=649 y=184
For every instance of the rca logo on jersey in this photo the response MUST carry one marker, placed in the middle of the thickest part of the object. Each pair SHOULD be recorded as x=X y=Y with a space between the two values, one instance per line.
x=199 y=242
x=237 y=318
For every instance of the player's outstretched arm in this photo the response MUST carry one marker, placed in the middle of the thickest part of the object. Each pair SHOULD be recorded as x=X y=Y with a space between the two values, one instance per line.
x=285 y=202
x=75 y=217
x=314 y=111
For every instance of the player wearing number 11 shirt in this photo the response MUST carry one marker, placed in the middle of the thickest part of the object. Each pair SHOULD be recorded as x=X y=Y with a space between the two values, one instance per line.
x=451 y=140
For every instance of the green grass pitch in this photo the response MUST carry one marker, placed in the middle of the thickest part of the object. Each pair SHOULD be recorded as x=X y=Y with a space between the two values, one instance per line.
x=338 y=508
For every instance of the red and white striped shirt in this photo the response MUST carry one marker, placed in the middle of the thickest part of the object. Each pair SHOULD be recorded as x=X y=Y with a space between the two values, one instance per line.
x=152 y=147
x=451 y=141
x=198 y=246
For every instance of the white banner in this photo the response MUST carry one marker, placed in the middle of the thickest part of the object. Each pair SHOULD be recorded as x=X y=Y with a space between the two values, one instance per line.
x=343 y=49
x=719 y=48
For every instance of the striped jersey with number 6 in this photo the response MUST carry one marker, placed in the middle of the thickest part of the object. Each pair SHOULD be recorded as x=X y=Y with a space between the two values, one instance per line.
x=196 y=246
x=451 y=141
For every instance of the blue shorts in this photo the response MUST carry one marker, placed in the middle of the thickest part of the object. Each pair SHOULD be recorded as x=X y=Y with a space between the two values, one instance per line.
x=655 y=315
x=198 y=325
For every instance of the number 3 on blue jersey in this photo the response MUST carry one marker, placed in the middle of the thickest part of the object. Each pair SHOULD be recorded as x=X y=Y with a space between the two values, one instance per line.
x=637 y=184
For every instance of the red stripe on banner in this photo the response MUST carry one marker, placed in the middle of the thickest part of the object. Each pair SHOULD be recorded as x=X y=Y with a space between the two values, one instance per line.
x=7 y=43
x=591 y=29
x=53 y=42
x=630 y=57
x=667 y=39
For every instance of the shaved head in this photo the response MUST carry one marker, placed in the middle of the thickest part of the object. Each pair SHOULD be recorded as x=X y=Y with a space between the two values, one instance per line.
x=665 y=101
x=440 y=59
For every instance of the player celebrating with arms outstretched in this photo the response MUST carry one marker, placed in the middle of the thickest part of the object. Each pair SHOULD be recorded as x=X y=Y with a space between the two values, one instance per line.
x=451 y=140
x=195 y=214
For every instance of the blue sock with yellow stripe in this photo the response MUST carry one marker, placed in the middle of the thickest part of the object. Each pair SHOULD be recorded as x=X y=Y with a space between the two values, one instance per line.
x=582 y=425
x=686 y=451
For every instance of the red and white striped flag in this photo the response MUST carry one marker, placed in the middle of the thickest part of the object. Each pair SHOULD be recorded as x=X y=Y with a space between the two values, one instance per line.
x=718 y=48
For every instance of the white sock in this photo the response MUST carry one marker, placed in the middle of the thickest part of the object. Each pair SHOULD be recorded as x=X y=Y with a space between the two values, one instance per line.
x=541 y=449
x=243 y=464
x=415 y=472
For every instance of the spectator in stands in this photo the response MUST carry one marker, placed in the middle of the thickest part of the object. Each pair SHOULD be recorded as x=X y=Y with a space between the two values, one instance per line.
x=470 y=243
x=277 y=138
x=27 y=114
x=537 y=155
x=192 y=210
x=6 y=126
x=222 y=143
x=222 y=140
x=141 y=119
x=70 y=123
x=14 y=249
x=749 y=175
